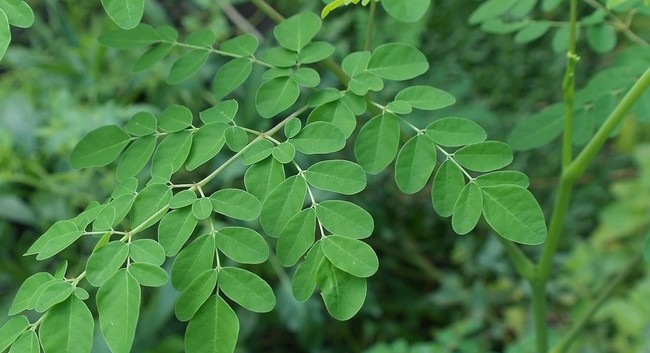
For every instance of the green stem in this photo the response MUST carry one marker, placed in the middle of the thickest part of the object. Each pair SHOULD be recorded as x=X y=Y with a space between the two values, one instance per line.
x=539 y=315
x=568 y=86
x=371 y=17
x=268 y=10
x=575 y=329
x=525 y=268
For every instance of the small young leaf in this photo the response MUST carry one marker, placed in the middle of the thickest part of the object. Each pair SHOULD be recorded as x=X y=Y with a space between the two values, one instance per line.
x=244 y=45
x=343 y=294
x=318 y=138
x=193 y=260
x=147 y=251
x=223 y=112
x=246 y=289
x=275 y=96
x=364 y=82
x=187 y=65
x=425 y=97
x=377 y=143
x=152 y=56
x=147 y=274
x=305 y=278
x=173 y=150
x=214 y=328
x=81 y=293
x=230 y=76
x=175 y=118
x=337 y=113
x=236 y=138
x=206 y=143
x=410 y=11
x=351 y=255
x=282 y=203
x=68 y=327
x=284 y=152
x=125 y=13
x=340 y=176
x=415 y=163
x=243 y=245
x=202 y=208
x=11 y=330
x=236 y=203
x=484 y=156
x=193 y=297
x=149 y=202
x=399 y=107
x=296 y=31
x=139 y=36
x=345 y=218
x=142 y=124
x=315 y=52
x=135 y=157
x=505 y=177
x=118 y=304
x=296 y=237
x=447 y=185
x=25 y=295
x=257 y=151
x=99 y=147
x=356 y=62
x=397 y=62
x=454 y=132
x=292 y=127
x=262 y=177
x=26 y=343
x=18 y=13
x=105 y=262
x=175 y=229
x=467 y=210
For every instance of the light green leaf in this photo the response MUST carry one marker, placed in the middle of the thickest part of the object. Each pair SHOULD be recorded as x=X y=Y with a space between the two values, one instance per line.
x=275 y=96
x=65 y=229
x=5 y=33
x=68 y=327
x=315 y=52
x=415 y=163
x=532 y=31
x=246 y=289
x=243 y=245
x=135 y=157
x=26 y=343
x=305 y=278
x=167 y=33
x=214 y=329
x=99 y=147
x=175 y=118
x=364 y=82
x=350 y=255
x=128 y=186
x=105 y=262
x=397 y=62
x=59 y=241
x=601 y=38
x=182 y=199
x=193 y=260
x=11 y=330
x=296 y=31
x=203 y=38
x=280 y=57
x=236 y=138
x=505 y=177
x=276 y=72
x=404 y=11
x=340 y=176
x=292 y=127
x=118 y=304
x=306 y=77
x=202 y=208
x=454 y=132
x=345 y=218
x=147 y=251
x=236 y=203
x=208 y=140
x=114 y=212
x=139 y=36
x=175 y=229
x=187 y=65
x=357 y=104
x=513 y=212
x=484 y=156
x=244 y=45
x=425 y=97
x=224 y=112
x=195 y=295
x=447 y=185
x=81 y=293
x=125 y=13
x=284 y=152
x=147 y=274
x=490 y=9
x=53 y=293
x=560 y=41
x=343 y=294
x=356 y=62
x=24 y=297
x=39 y=291
x=230 y=76
x=88 y=215
x=262 y=177
x=377 y=143
x=323 y=96
x=296 y=237
x=319 y=138
x=257 y=151
x=537 y=130
x=149 y=203
x=152 y=56
x=337 y=113
x=399 y=107
x=282 y=203
x=467 y=210
x=173 y=150
x=142 y=124
x=18 y=13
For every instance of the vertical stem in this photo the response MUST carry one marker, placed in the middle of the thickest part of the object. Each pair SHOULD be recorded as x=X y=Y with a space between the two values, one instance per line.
x=371 y=17
x=539 y=315
x=568 y=86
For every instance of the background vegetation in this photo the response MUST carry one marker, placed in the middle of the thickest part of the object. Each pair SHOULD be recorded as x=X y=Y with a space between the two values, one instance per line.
x=435 y=291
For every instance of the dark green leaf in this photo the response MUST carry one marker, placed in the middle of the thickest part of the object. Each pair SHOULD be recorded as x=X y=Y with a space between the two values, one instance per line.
x=148 y=275
x=351 y=255
x=342 y=293
x=484 y=156
x=68 y=327
x=221 y=112
x=173 y=150
x=202 y=38
x=257 y=151
x=5 y=33
x=425 y=97
x=447 y=185
x=262 y=177
x=467 y=210
x=337 y=113
x=152 y=56
x=244 y=45
x=315 y=52
x=142 y=124
x=506 y=177
x=306 y=77
x=140 y=36
x=282 y=203
x=305 y=278
x=125 y=13
x=296 y=31
x=187 y=65
x=147 y=251
x=404 y=11
x=397 y=61
x=193 y=297
x=135 y=157
x=105 y=262
x=175 y=118
x=214 y=329
x=356 y=62
x=280 y=57
x=150 y=205
x=601 y=38
x=454 y=132
x=490 y=9
x=275 y=96
x=323 y=96
x=537 y=130
x=236 y=203
x=206 y=143
x=532 y=31
x=230 y=76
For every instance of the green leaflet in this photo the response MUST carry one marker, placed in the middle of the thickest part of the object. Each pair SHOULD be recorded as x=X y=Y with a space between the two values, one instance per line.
x=284 y=152
x=257 y=151
x=318 y=138
x=276 y=95
x=537 y=130
x=503 y=177
x=175 y=229
x=135 y=157
x=415 y=163
x=350 y=255
x=467 y=210
x=410 y=11
x=425 y=97
x=187 y=65
x=246 y=289
x=118 y=304
x=364 y=82
x=99 y=147
x=18 y=13
x=114 y=212
x=243 y=45
x=324 y=96
x=260 y=178
x=206 y=143
x=282 y=203
x=345 y=218
x=60 y=230
x=193 y=260
x=88 y=215
x=142 y=124
x=26 y=343
x=11 y=330
x=230 y=76
x=125 y=13
x=356 y=62
x=147 y=251
x=153 y=55
x=243 y=245
x=340 y=176
x=175 y=118
x=306 y=77
x=305 y=278
x=357 y=104
x=292 y=127
x=128 y=186
x=277 y=72
x=105 y=262
x=484 y=156
x=221 y=112
x=377 y=143
x=236 y=138
x=454 y=132
x=601 y=38
x=24 y=296
x=513 y=212
x=196 y=293
x=150 y=204
x=399 y=107
x=202 y=38
x=236 y=203
x=53 y=293
x=5 y=33
x=279 y=57
x=337 y=113
x=296 y=237
x=296 y=31
x=490 y=9
x=447 y=185
x=147 y=274
x=173 y=150
x=68 y=327
x=342 y=293
x=202 y=208
x=182 y=199
x=139 y=36
x=397 y=62
x=214 y=328
x=532 y=31
x=315 y=52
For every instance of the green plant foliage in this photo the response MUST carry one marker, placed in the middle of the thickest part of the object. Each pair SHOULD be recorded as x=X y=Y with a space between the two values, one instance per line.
x=126 y=14
x=118 y=303
x=411 y=12
x=68 y=326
